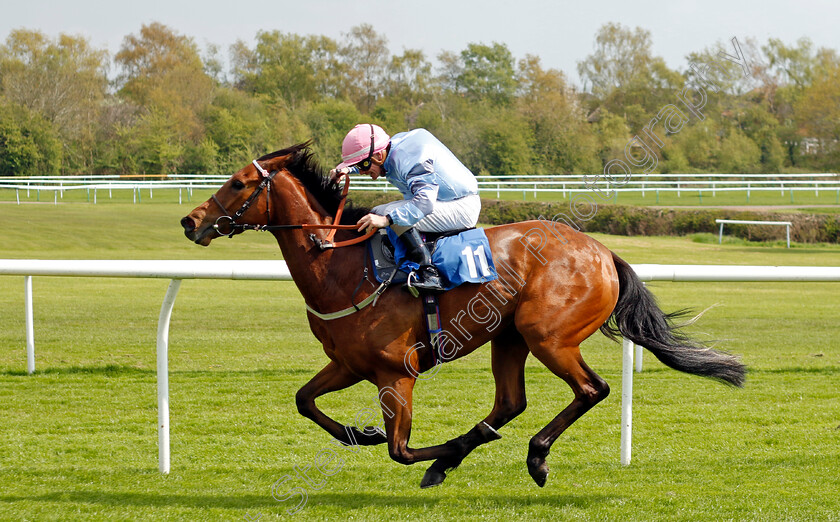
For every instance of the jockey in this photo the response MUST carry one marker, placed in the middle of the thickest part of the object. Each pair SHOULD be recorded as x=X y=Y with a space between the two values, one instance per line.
x=440 y=193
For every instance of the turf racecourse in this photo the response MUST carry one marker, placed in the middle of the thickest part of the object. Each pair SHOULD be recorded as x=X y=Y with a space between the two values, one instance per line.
x=78 y=439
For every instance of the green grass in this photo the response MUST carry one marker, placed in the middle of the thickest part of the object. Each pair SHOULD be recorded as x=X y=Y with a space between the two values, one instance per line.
x=78 y=439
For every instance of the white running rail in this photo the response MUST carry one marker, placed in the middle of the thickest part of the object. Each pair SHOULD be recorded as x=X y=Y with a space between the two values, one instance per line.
x=277 y=270
x=566 y=184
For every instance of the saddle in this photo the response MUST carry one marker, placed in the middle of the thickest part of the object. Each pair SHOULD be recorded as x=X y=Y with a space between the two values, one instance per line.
x=383 y=253
x=460 y=256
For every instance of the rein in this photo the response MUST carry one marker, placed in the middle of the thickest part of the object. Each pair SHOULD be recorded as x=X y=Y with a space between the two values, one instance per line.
x=227 y=226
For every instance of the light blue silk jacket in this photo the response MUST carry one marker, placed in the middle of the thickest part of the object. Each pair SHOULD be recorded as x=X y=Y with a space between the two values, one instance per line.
x=425 y=171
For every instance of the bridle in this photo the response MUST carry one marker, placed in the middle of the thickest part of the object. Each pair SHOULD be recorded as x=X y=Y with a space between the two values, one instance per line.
x=230 y=220
x=227 y=226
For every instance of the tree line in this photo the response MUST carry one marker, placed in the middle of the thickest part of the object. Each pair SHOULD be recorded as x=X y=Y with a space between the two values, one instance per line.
x=161 y=105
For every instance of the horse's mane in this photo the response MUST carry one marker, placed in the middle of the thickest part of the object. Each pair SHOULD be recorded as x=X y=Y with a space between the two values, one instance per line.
x=305 y=168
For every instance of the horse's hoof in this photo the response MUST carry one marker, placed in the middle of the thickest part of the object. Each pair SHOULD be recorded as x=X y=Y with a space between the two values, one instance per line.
x=432 y=478
x=538 y=470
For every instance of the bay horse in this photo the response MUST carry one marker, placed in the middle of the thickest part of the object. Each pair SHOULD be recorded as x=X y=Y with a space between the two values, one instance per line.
x=555 y=289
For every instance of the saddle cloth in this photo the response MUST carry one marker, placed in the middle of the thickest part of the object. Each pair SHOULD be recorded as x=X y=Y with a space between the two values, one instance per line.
x=461 y=257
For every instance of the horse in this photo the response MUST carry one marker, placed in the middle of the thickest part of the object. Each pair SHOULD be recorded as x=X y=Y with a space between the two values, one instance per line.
x=556 y=287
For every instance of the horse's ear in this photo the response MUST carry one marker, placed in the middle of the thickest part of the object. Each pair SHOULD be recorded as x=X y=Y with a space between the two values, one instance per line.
x=278 y=162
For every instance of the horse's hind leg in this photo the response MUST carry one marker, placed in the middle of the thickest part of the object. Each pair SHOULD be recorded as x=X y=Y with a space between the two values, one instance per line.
x=589 y=390
x=509 y=352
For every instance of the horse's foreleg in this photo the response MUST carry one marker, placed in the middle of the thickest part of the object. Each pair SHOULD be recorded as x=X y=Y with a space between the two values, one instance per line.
x=395 y=396
x=509 y=352
x=589 y=389
x=333 y=378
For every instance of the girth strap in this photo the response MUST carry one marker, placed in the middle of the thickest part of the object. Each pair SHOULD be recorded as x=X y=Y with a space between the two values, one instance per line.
x=431 y=309
x=353 y=309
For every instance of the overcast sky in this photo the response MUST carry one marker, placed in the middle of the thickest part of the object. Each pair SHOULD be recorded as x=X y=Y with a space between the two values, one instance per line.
x=560 y=32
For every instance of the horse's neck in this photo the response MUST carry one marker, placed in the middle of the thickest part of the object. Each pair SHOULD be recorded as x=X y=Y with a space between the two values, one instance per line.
x=321 y=276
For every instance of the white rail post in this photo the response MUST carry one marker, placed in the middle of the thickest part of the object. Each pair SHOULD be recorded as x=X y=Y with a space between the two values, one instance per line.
x=638 y=358
x=30 y=325
x=626 y=401
x=163 y=374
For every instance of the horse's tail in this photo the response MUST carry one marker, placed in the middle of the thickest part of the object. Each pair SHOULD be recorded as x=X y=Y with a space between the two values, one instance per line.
x=638 y=318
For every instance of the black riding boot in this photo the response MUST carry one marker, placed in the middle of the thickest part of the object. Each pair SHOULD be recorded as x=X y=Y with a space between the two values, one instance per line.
x=426 y=278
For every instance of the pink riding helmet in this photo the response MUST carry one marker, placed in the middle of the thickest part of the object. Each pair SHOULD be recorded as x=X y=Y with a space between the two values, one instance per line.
x=357 y=144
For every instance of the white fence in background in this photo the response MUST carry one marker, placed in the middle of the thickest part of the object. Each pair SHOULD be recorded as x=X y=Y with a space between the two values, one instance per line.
x=277 y=270
x=566 y=185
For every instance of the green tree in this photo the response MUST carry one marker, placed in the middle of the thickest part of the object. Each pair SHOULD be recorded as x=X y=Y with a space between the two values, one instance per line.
x=329 y=121
x=624 y=76
x=162 y=71
x=487 y=138
x=505 y=146
x=791 y=64
x=563 y=140
x=698 y=144
x=243 y=127
x=64 y=80
x=612 y=134
x=365 y=56
x=450 y=70
x=290 y=68
x=818 y=114
x=738 y=154
x=29 y=145
x=788 y=71
x=622 y=56
x=761 y=127
x=409 y=79
x=488 y=73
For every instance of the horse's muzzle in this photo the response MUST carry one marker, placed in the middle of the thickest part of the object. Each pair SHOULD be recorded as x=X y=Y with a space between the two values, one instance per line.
x=190 y=230
x=188 y=224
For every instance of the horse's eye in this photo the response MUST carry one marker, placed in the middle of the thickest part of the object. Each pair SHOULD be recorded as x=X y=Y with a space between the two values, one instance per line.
x=238 y=185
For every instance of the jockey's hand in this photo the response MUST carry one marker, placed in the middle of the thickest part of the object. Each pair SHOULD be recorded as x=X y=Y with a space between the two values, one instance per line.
x=336 y=175
x=372 y=222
